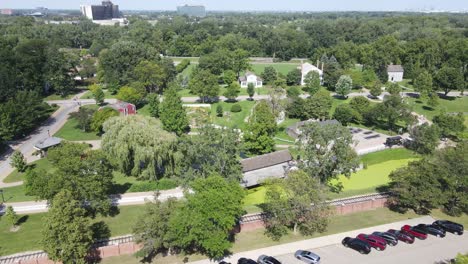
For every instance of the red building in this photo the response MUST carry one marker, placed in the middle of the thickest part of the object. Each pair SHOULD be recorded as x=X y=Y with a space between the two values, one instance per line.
x=124 y=108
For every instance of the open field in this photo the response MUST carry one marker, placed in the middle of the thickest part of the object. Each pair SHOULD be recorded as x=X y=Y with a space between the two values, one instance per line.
x=449 y=105
x=71 y=131
x=233 y=120
x=16 y=176
x=282 y=68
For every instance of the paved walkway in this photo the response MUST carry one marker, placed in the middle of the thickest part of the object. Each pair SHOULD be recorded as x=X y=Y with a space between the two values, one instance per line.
x=125 y=199
x=290 y=248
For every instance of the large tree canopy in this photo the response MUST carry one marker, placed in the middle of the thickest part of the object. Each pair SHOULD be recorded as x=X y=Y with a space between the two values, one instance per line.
x=139 y=146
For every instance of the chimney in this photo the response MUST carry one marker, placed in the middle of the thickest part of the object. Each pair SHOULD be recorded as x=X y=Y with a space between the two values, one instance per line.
x=318 y=64
x=322 y=66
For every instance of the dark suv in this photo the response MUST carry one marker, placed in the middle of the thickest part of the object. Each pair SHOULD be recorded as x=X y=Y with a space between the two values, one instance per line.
x=432 y=229
x=450 y=226
x=391 y=239
x=357 y=244
x=246 y=261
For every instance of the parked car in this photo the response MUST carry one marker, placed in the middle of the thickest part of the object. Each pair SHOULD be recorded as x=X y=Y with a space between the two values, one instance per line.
x=357 y=244
x=416 y=232
x=307 y=256
x=450 y=226
x=246 y=261
x=374 y=241
x=432 y=230
x=224 y=262
x=402 y=235
x=391 y=239
x=264 y=259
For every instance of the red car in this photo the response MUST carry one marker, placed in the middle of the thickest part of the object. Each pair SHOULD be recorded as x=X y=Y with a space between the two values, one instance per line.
x=374 y=241
x=402 y=235
x=414 y=232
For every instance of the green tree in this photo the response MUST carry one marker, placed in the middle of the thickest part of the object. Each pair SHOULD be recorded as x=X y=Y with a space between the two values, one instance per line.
x=258 y=137
x=129 y=95
x=361 y=106
x=232 y=91
x=240 y=61
x=423 y=84
x=99 y=96
x=173 y=115
x=205 y=222
x=297 y=203
x=393 y=88
x=368 y=77
x=153 y=103
x=150 y=74
x=101 y=116
x=450 y=124
x=318 y=106
x=219 y=110
x=11 y=216
x=331 y=74
x=345 y=114
x=327 y=151
x=392 y=111
x=204 y=84
x=448 y=79
x=376 y=89
x=85 y=173
x=152 y=228
x=251 y=90
x=213 y=151
x=433 y=100
x=18 y=161
x=269 y=75
x=67 y=234
x=229 y=77
x=425 y=138
x=83 y=116
x=312 y=82
x=344 y=85
x=138 y=146
x=294 y=77
x=88 y=68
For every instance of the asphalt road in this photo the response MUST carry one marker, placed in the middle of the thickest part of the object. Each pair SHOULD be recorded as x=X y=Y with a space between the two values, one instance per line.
x=431 y=250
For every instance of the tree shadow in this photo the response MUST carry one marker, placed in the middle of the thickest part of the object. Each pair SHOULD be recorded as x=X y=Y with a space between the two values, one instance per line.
x=22 y=220
x=100 y=231
x=428 y=108
x=118 y=188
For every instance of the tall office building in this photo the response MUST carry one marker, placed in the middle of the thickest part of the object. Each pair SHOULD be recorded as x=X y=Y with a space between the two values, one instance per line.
x=107 y=10
x=194 y=10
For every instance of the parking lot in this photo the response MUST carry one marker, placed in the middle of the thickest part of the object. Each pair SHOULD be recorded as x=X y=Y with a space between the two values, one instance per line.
x=431 y=250
x=367 y=140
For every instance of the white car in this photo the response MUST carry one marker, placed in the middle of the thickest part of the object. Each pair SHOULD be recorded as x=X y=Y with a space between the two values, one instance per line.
x=307 y=256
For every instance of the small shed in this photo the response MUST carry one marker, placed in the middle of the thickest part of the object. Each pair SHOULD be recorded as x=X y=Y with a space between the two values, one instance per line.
x=43 y=145
x=395 y=73
x=124 y=108
x=248 y=78
x=273 y=165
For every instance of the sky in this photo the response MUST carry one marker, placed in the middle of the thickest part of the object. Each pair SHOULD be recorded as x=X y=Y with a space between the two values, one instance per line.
x=254 y=5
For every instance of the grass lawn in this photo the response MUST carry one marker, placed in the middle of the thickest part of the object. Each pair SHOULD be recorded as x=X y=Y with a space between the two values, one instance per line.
x=16 y=176
x=71 y=131
x=233 y=120
x=282 y=68
x=89 y=95
x=387 y=155
x=455 y=105
x=53 y=97
x=16 y=194
x=222 y=90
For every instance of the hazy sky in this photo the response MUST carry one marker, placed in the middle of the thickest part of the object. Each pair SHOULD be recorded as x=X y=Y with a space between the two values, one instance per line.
x=279 y=5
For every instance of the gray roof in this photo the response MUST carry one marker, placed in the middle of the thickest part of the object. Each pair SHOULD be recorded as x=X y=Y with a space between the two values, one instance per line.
x=395 y=68
x=47 y=143
x=266 y=160
x=243 y=78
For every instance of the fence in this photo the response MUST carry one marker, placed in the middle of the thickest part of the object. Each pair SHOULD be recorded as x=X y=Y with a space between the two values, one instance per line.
x=125 y=244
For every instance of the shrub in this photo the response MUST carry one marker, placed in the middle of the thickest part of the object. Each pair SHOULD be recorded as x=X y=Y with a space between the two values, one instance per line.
x=219 y=110
x=236 y=108
x=182 y=65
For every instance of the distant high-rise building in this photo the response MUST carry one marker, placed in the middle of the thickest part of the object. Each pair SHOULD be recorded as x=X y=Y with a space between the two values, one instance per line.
x=7 y=12
x=192 y=10
x=107 y=10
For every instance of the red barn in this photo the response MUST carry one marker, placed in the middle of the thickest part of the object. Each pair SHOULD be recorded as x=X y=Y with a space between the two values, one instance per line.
x=124 y=108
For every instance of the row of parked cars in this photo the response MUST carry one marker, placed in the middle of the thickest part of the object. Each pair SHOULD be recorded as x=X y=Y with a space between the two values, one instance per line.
x=379 y=240
x=304 y=255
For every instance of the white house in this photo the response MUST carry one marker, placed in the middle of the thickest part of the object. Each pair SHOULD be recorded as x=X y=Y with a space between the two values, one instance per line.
x=395 y=73
x=250 y=77
x=307 y=67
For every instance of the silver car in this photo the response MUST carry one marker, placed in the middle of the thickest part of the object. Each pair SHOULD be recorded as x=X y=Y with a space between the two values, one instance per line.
x=264 y=259
x=307 y=256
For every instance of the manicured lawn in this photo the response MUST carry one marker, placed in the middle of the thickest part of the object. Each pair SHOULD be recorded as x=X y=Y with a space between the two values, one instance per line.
x=283 y=68
x=282 y=136
x=53 y=97
x=188 y=71
x=71 y=131
x=455 y=105
x=16 y=176
x=222 y=90
x=387 y=155
x=16 y=194
x=233 y=120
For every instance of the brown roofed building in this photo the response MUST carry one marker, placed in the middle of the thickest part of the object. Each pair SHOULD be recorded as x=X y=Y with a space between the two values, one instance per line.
x=260 y=168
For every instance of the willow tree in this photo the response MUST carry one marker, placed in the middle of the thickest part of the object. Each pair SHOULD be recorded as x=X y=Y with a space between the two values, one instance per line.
x=139 y=146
